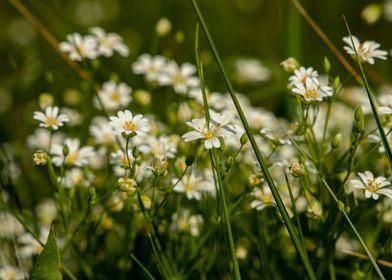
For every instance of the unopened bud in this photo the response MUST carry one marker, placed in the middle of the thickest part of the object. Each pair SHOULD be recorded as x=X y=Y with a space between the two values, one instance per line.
x=189 y=160
x=45 y=100
x=314 y=210
x=159 y=166
x=179 y=36
x=65 y=150
x=290 y=64
x=244 y=139
x=142 y=97
x=358 y=113
x=163 y=27
x=297 y=169
x=126 y=184
x=327 y=65
x=135 y=152
x=336 y=140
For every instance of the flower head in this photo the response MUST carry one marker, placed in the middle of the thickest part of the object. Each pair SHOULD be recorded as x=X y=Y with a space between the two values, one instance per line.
x=373 y=186
x=51 y=118
x=192 y=185
x=76 y=155
x=126 y=123
x=150 y=66
x=109 y=42
x=115 y=95
x=180 y=77
x=301 y=75
x=251 y=70
x=211 y=132
x=367 y=51
x=79 y=47
x=312 y=91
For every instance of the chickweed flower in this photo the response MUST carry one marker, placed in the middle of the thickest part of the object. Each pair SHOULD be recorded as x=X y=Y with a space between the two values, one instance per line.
x=252 y=71
x=180 y=77
x=51 y=118
x=301 y=75
x=108 y=43
x=77 y=156
x=128 y=124
x=192 y=186
x=366 y=51
x=290 y=64
x=373 y=186
x=40 y=157
x=114 y=96
x=150 y=66
x=79 y=47
x=211 y=132
x=127 y=184
x=312 y=91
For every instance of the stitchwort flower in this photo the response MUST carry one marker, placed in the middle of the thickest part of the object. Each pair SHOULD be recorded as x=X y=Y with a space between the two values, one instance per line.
x=373 y=186
x=367 y=51
x=51 y=118
x=128 y=124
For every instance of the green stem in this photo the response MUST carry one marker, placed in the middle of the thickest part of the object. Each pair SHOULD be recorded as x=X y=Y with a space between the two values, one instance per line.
x=282 y=209
x=341 y=208
x=237 y=274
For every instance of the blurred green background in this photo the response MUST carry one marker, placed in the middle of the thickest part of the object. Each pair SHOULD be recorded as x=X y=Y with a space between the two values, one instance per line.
x=266 y=30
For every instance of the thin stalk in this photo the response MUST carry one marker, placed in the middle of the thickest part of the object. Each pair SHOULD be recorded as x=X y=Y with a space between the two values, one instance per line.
x=353 y=228
x=371 y=100
x=282 y=209
x=237 y=274
x=142 y=266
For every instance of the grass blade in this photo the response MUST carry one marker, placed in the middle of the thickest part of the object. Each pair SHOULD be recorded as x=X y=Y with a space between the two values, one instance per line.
x=282 y=209
x=142 y=266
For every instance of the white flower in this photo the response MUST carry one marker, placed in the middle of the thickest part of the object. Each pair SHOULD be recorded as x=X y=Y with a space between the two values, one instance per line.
x=251 y=70
x=312 y=91
x=373 y=186
x=367 y=51
x=387 y=108
x=150 y=66
x=77 y=156
x=129 y=124
x=179 y=77
x=183 y=221
x=210 y=133
x=192 y=185
x=301 y=75
x=51 y=118
x=114 y=96
x=109 y=42
x=158 y=146
x=79 y=47
x=102 y=131
x=41 y=139
x=75 y=178
x=9 y=226
x=8 y=272
x=119 y=159
x=29 y=246
x=262 y=198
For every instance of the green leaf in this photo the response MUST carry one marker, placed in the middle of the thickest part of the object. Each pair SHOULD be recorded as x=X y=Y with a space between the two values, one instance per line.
x=48 y=263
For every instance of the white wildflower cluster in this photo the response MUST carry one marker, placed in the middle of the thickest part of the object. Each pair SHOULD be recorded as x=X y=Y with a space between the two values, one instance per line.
x=97 y=43
x=366 y=51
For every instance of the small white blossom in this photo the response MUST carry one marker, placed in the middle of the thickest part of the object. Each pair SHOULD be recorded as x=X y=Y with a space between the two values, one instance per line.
x=183 y=221
x=211 y=132
x=301 y=75
x=77 y=156
x=251 y=70
x=180 y=77
x=262 y=198
x=126 y=123
x=312 y=91
x=192 y=186
x=51 y=118
x=114 y=96
x=102 y=131
x=41 y=139
x=79 y=47
x=8 y=272
x=373 y=186
x=150 y=66
x=75 y=178
x=367 y=51
x=109 y=42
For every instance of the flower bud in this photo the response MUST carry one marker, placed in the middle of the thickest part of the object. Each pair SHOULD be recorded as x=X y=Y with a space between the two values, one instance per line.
x=40 y=157
x=371 y=13
x=179 y=36
x=127 y=184
x=65 y=150
x=358 y=113
x=142 y=97
x=189 y=160
x=290 y=64
x=135 y=152
x=45 y=100
x=296 y=169
x=244 y=139
x=159 y=166
x=327 y=65
x=163 y=27
x=336 y=140
x=315 y=210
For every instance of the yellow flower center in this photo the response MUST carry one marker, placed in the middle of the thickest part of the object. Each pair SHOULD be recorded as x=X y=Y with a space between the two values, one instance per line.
x=71 y=158
x=311 y=93
x=372 y=185
x=178 y=79
x=52 y=121
x=115 y=96
x=129 y=125
x=188 y=187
